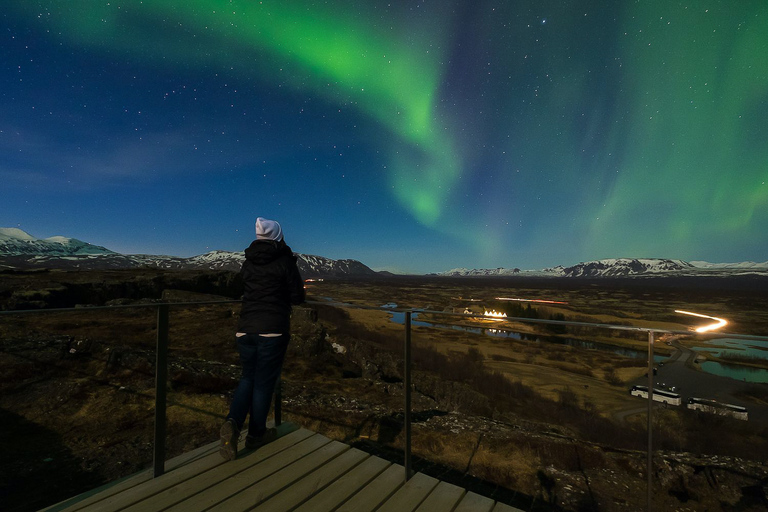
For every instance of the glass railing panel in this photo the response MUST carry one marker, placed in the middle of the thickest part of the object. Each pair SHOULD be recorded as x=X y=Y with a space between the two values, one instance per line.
x=203 y=370
x=512 y=395
x=343 y=376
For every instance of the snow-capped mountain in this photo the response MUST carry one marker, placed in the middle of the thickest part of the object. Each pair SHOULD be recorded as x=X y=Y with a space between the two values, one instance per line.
x=317 y=265
x=16 y=241
x=19 y=249
x=626 y=267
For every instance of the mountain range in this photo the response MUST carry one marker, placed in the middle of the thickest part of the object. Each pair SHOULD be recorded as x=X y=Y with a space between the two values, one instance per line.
x=19 y=249
x=626 y=267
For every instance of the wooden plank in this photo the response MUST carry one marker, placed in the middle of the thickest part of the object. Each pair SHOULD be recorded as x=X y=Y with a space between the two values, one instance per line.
x=376 y=492
x=410 y=495
x=300 y=491
x=95 y=495
x=474 y=503
x=501 y=507
x=89 y=497
x=262 y=491
x=444 y=497
x=283 y=430
x=350 y=483
x=199 y=483
x=239 y=481
x=186 y=458
x=155 y=485
x=102 y=492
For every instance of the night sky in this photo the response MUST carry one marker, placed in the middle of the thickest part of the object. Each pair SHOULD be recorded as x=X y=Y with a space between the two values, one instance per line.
x=415 y=136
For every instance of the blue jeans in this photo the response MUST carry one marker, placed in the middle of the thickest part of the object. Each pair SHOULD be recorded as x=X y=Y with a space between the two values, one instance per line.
x=262 y=360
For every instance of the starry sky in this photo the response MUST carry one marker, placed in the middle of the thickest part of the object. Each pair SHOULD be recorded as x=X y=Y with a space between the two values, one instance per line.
x=414 y=136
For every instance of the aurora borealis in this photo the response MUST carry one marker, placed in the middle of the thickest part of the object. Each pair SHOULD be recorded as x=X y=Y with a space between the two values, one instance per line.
x=414 y=136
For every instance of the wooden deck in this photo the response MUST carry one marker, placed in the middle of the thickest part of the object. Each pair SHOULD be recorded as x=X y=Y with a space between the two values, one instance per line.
x=300 y=471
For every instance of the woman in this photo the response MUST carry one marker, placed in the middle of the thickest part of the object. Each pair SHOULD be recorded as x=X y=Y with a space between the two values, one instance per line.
x=272 y=284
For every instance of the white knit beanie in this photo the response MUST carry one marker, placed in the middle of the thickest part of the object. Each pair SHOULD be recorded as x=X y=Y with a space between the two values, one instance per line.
x=268 y=230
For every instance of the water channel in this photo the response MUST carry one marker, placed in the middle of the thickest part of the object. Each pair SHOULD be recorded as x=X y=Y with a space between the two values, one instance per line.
x=730 y=346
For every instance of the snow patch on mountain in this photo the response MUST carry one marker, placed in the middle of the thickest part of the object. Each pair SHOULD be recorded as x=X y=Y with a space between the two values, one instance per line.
x=58 y=240
x=15 y=233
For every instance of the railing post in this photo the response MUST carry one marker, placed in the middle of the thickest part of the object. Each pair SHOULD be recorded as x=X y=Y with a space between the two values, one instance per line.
x=407 y=388
x=278 y=402
x=649 y=468
x=161 y=378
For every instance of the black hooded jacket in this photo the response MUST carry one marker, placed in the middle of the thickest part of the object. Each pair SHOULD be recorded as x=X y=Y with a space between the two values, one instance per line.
x=271 y=283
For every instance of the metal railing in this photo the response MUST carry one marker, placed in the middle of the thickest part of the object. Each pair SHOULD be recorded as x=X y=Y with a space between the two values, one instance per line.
x=161 y=367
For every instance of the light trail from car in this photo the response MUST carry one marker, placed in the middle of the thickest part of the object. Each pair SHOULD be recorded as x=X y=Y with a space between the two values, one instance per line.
x=719 y=322
x=542 y=301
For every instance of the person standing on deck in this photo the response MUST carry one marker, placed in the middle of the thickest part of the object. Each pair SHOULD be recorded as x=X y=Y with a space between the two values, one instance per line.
x=272 y=285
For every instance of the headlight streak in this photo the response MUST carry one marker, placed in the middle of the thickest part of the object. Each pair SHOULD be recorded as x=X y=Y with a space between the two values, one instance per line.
x=542 y=301
x=719 y=322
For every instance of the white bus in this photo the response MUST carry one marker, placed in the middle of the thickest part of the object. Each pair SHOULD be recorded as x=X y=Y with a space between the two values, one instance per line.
x=665 y=397
x=702 y=404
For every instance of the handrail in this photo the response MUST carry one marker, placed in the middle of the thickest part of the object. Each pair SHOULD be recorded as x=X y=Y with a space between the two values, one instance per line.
x=161 y=367
x=120 y=306
x=718 y=334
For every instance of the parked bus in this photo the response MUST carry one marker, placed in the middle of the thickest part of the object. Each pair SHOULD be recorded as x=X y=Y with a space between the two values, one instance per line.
x=665 y=397
x=702 y=404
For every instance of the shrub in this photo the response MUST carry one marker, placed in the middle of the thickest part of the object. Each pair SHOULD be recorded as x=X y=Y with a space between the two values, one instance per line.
x=611 y=377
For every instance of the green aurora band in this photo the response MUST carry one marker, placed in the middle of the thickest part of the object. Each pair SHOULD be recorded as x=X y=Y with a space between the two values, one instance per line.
x=330 y=54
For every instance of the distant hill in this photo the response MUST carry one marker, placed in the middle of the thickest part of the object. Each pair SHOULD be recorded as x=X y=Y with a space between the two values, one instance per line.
x=626 y=267
x=457 y=272
x=19 y=249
